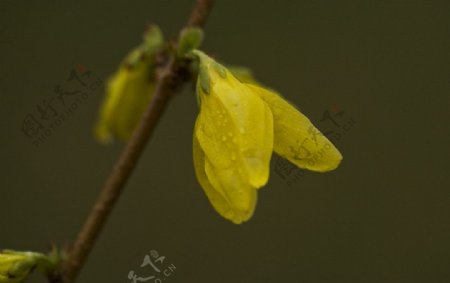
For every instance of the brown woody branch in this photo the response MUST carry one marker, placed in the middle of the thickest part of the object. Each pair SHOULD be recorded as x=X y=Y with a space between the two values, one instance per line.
x=168 y=82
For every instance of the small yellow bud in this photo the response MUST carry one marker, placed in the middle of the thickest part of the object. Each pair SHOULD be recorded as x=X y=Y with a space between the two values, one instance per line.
x=16 y=266
x=129 y=91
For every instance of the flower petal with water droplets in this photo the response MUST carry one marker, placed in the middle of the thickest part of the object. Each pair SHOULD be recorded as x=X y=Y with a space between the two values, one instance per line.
x=296 y=138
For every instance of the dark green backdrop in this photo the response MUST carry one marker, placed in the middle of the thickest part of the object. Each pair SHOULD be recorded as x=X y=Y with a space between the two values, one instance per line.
x=383 y=216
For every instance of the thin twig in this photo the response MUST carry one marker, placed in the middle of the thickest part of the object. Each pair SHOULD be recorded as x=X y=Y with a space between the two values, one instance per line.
x=199 y=13
x=167 y=83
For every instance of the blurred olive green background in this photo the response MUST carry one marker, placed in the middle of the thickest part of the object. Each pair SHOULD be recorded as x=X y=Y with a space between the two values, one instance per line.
x=382 y=216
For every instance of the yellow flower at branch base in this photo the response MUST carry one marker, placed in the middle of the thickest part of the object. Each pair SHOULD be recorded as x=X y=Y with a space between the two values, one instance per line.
x=16 y=266
x=239 y=126
x=129 y=90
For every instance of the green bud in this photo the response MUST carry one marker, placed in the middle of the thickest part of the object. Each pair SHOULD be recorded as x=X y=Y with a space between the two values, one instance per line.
x=152 y=42
x=190 y=39
x=153 y=38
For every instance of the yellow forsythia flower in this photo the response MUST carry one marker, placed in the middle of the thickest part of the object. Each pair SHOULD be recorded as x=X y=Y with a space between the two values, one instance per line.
x=16 y=266
x=238 y=127
x=129 y=90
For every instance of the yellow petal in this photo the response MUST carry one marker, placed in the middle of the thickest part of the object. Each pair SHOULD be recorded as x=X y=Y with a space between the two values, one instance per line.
x=103 y=129
x=216 y=195
x=296 y=138
x=136 y=96
x=128 y=94
x=240 y=195
x=236 y=128
x=16 y=266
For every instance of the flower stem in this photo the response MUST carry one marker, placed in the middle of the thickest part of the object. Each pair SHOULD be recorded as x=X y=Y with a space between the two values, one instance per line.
x=169 y=79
